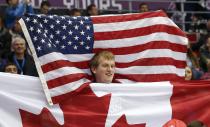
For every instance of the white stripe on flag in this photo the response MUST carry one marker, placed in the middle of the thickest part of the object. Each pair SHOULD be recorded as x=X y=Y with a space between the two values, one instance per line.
x=117 y=43
x=65 y=71
x=67 y=87
x=150 y=53
x=132 y=24
x=54 y=56
x=166 y=69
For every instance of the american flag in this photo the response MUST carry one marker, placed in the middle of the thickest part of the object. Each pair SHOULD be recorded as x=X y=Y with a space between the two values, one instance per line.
x=148 y=47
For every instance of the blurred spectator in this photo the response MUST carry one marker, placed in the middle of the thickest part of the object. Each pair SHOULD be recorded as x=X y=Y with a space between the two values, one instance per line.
x=198 y=24
x=196 y=123
x=5 y=39
x=15 y=10
x=205 y=55
x=21 y=58
x=193 y=64
x=205 y=76
x=16 y=30
x=92 y=10
x=192 y=5
x=45 y=7
x=11 y=68
x=75 y=12
x=143 y=7
x=203 y=38
x=192 y=59
x=188 y=73
x=178 y=18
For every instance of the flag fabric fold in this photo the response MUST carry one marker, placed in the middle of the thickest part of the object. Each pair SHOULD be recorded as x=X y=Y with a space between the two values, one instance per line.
x=148 y=47
x=23 y=104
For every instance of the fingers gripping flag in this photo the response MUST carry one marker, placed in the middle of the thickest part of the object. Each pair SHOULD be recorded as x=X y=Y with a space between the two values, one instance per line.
x=148 y=47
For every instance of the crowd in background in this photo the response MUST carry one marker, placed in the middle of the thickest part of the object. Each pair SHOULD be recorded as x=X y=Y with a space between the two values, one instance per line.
x=14 y=53
x=15 y=56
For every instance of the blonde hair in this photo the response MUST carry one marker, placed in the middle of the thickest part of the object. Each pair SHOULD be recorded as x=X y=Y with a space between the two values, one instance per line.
x=94 y=62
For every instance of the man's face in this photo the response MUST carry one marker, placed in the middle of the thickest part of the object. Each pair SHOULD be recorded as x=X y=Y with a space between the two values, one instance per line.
x=104 y=73
x=19 y=47
x=11 y=69
x=77 y=14
x=94 y=11
x=144 y=8
x=45 y=9
x=188 y=73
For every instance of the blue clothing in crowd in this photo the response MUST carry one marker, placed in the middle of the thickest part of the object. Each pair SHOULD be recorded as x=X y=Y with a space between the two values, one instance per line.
x=14 y=12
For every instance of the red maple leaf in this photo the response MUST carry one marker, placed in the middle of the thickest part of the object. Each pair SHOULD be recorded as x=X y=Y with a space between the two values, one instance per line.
x=122 y=122
x=44 y=119
x=83 y=109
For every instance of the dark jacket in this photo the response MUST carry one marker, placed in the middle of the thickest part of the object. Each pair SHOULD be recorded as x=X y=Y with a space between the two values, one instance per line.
x=5 y=42
x=29 y=66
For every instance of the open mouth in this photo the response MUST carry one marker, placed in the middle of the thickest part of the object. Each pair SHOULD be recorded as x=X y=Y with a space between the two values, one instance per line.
x=109 y=74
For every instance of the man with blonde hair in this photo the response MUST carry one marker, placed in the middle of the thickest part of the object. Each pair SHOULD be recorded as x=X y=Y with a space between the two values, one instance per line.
x=102 y=66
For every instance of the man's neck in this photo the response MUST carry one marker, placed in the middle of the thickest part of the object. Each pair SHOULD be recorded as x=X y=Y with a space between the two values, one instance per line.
x=19 y=56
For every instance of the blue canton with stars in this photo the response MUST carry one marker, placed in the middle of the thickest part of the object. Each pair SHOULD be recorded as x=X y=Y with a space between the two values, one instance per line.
x=65 y=34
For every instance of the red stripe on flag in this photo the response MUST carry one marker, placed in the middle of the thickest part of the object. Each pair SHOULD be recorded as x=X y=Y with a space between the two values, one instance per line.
x=64 y=63
x=143 y=47
x=57 y=75
x=140 y=62
x=129 y=17
x=149 y=77
x=66 y=79
x=137 y=32
x=153 y=62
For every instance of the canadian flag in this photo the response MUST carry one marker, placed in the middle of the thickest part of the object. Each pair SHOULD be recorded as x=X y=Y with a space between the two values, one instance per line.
x=23 y=104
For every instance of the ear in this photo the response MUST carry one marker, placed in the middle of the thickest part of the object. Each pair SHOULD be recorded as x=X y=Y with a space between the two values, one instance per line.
x=93 y=69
